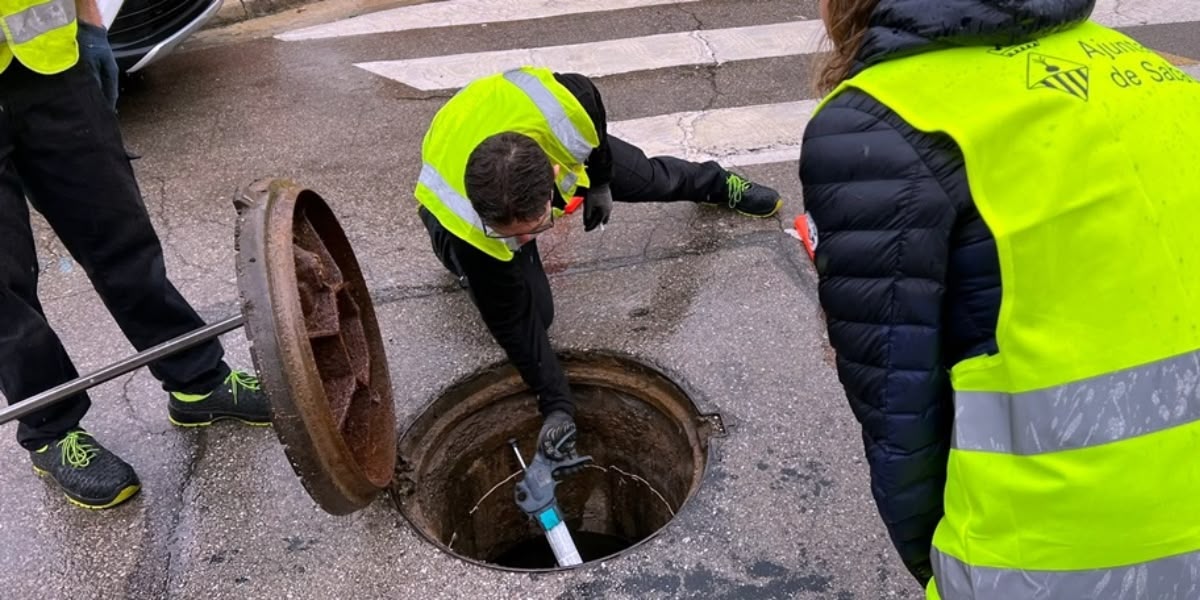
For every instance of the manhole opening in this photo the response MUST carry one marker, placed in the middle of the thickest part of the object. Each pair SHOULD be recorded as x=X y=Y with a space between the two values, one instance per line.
x=458 y=472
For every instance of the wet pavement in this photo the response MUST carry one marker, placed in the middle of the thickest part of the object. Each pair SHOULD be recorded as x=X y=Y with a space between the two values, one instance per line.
x=725 y=305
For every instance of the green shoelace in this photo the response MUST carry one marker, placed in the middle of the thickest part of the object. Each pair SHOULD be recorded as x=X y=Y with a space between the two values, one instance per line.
x=736 y=186
x=76 y=452
x=239 y=380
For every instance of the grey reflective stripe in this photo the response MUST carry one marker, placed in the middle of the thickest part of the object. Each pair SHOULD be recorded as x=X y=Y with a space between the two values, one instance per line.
x=39 y=19
x=567 y=183
x=1095 y=411
x=1172 y=578
x=459 y=205
x=567 y=133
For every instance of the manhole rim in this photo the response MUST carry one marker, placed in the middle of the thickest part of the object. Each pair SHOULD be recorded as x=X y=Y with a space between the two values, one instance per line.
x=502 y=373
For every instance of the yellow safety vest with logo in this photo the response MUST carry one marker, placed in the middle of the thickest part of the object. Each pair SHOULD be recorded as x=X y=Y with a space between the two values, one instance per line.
x=1074 y=468
x=528 y=101
x=39 y=33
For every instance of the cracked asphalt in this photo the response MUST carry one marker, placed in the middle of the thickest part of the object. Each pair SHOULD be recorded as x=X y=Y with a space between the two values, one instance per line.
x=725 y=305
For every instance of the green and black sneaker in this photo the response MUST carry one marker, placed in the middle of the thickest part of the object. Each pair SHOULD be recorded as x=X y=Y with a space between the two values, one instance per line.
x=751 y=199
x=238 y=398
x=89 y=475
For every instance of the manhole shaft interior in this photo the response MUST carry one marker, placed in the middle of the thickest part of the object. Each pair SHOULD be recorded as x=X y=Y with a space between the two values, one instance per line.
x=458 y=471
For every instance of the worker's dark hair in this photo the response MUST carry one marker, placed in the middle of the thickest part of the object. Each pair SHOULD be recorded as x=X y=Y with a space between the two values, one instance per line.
x=509 y=179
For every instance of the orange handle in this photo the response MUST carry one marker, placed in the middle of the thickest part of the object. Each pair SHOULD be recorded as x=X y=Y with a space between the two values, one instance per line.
x=574 y=204
x=807 y=236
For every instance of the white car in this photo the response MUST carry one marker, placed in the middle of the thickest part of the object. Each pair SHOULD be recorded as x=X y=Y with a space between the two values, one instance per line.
x=143 y=31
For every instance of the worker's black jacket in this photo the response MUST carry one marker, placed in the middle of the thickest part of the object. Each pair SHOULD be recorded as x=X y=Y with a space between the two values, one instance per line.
x=909 y=276
x=514 y=297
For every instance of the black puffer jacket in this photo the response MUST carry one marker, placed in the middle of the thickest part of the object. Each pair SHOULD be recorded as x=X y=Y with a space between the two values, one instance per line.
x=909 y=277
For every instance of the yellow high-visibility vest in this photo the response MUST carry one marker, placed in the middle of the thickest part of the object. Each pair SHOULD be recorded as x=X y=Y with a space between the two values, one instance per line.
x=1074 y=469
x=39 y=33
x=528 y=101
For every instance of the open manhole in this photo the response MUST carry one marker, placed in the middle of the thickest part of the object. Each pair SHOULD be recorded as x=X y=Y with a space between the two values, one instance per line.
x=317 y=347
x=457 y=472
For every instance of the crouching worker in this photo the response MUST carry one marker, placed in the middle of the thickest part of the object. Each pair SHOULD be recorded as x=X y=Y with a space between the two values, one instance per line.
x=498 y=160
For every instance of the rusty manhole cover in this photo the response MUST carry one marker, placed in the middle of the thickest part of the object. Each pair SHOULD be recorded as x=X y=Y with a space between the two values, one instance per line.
x=316 y=344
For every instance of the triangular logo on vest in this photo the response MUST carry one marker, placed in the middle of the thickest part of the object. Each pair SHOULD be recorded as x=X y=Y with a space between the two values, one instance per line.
x=1058 y=74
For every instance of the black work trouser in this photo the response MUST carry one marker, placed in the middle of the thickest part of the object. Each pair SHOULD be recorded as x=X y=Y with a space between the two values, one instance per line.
x=638 y=178
x=60 y=139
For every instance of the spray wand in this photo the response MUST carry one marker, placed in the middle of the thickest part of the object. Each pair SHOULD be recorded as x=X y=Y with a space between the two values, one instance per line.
x=535 y=496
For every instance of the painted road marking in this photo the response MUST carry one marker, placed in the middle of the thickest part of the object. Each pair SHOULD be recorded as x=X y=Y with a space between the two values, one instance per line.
x=461 y=12
x=1127 y=13
x=745 y=135
x=597 y=59
x=448 y=13
x=689 y=48
x=759 y=134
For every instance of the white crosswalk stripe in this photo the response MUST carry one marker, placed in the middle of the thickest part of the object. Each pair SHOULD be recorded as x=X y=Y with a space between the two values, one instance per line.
x=701 y=47
x=462 y=12
x=765 y=133
x=450 y=13
x=597 y=59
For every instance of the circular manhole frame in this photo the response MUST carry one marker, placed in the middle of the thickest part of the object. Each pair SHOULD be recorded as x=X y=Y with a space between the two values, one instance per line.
x=499 y=383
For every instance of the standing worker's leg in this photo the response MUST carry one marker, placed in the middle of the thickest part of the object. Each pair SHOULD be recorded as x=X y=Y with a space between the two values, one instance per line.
x=32 y=358
x=73 y=160
x=71 y=156
x=638 y=178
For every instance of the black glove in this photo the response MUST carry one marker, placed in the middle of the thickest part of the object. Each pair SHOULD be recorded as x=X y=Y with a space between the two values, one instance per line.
x=556 y=442
x=95 y=52
x=596 y=207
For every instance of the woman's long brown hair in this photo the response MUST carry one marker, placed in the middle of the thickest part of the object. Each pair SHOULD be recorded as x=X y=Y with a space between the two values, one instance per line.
x=847 y=27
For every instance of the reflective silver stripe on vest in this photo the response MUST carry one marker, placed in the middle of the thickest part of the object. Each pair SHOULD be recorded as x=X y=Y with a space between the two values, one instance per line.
x=1172 y=578
x=459 y=205
x=1103 y=409
x=567 y=183
x=39 y=19
x=567 y=133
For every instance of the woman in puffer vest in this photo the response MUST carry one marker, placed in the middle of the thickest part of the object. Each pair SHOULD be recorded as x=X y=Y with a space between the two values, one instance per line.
x=910 y=279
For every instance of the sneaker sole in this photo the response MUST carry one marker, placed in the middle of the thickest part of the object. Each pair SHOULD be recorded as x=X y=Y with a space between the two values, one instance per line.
x=126 y=493
x=774 y=211
x=195 y=424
